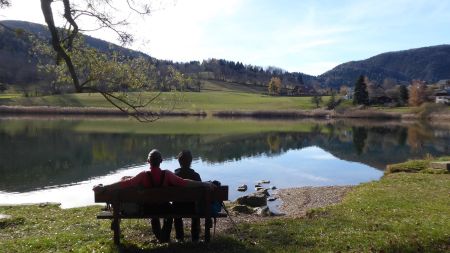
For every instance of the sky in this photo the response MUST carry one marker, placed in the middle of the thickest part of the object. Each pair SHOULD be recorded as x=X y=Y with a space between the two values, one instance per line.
x=309 y=36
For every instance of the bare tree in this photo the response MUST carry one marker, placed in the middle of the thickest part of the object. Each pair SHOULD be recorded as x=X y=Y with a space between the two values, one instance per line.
x=4 y=3
x=64 y=39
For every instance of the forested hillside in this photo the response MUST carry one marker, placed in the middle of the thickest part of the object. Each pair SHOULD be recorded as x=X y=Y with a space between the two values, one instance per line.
x=17 y=65
x=429 y=64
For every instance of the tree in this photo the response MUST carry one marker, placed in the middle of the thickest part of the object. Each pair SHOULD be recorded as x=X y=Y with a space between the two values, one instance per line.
x=67 y=45
x=404 y=94
x=274 y=86
x=343 y=90
x=2 y=87
x=361 y=96
x=316 y=99
x=359 y=139
x=331 y=104
x=417 y=93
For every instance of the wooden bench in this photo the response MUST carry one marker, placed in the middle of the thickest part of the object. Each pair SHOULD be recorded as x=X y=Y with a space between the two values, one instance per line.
x=203 y=196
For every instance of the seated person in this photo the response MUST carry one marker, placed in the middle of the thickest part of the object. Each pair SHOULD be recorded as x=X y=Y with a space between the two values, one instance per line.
x=185 y=171
x=154 y=178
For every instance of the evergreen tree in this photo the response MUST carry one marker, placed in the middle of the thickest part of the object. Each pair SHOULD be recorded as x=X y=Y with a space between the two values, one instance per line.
x=331 y=104
x=316 y=99
x=404 y=94
x=361 y=96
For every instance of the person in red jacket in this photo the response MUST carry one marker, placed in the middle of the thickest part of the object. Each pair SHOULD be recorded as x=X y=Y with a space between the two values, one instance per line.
x=154 y=178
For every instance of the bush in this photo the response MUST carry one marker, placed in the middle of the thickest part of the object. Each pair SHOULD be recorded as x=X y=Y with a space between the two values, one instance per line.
x=425 y=110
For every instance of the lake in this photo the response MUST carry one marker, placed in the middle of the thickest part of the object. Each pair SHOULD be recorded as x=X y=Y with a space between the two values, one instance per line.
x=60 y=159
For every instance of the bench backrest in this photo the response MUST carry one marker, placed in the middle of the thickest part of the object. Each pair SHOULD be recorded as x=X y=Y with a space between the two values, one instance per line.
x=164 y=194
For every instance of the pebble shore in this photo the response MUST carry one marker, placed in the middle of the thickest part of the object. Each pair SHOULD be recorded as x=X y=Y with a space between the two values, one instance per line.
x=295 y=202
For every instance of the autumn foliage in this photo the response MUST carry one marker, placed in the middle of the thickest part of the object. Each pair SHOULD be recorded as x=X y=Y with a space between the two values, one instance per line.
x=417 y=93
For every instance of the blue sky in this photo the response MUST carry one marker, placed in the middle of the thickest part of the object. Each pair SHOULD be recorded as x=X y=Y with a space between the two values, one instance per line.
x=306 y=36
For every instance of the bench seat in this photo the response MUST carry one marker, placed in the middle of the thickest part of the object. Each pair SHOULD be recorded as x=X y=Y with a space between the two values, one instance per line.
x=202 y=196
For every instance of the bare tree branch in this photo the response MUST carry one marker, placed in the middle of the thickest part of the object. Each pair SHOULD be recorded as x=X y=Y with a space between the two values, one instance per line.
x=5 y=3
x=145 y=8
x=61 y=53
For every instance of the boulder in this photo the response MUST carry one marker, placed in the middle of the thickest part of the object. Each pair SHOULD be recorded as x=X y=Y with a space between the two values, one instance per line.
x=264 y=182
x=441 y=165
x=242 y=188
x=5 y=217
x=264 y=191
x=273 y=188
x=242 y=209
x=263 y=211
x=259 y=188
x=253 y=200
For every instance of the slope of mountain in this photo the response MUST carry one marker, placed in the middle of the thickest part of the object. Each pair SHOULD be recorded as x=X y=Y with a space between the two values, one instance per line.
x=430 y=64
x=14 y=59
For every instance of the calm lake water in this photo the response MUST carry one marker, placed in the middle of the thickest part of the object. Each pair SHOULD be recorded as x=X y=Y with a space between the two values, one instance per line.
x=60 y=159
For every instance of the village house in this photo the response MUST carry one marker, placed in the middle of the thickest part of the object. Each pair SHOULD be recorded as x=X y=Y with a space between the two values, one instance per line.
x=442 y=96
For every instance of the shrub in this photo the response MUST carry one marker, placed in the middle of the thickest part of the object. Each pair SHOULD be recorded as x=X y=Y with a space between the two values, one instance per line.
x=425 y=110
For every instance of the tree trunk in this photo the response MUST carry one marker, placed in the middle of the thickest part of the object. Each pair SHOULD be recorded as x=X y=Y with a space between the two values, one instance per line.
x=56 y=43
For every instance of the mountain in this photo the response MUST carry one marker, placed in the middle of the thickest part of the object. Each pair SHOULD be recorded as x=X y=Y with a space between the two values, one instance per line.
x=430 y=64
x=17 y=66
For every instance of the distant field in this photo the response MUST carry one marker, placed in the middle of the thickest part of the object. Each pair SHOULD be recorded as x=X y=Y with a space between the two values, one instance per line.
x=189 y=101
x=213 y=85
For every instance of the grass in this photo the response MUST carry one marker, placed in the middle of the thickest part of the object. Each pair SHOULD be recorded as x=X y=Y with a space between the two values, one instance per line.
x=422 y=166
x=190 y=101
x=400 y=213
x=403 y=212
x=9 y=96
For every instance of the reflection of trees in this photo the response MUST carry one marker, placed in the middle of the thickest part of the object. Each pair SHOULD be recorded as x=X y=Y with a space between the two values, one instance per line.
x=359 y=138
x=34 y=156
x=402 y=136
x=274 y=142
x=417 y=136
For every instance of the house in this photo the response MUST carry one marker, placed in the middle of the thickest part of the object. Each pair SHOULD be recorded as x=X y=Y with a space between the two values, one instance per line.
x=349 y=94
x=442 y=96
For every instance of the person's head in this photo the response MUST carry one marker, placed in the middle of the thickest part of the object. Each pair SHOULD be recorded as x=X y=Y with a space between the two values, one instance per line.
x=154 y=158
x=185 y=158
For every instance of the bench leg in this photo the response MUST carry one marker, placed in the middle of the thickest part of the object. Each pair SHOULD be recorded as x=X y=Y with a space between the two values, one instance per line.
x=208 y=225
x=116 y=228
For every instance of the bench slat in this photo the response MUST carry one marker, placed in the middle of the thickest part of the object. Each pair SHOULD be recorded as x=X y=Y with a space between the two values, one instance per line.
x=161 y=195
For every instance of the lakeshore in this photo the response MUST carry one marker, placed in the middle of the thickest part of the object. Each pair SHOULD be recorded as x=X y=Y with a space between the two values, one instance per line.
x=410 y=209
x=368 y=113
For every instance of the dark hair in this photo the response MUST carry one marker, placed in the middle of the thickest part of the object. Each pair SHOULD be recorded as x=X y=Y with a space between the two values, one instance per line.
x=154 y=157
x=185 y=158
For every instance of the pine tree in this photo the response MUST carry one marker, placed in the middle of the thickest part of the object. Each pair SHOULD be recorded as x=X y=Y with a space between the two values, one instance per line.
x=316 y=99
x=404 y=94
x=361 y=96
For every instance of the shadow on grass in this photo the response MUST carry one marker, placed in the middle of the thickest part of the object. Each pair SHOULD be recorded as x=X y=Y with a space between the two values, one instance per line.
x=219 y=244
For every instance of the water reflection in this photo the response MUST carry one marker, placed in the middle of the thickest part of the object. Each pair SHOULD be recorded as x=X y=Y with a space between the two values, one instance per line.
x=310 y=166
x=35 y=154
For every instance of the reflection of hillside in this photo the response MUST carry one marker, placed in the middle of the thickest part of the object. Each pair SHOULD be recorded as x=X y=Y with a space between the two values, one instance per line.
x=37 y=156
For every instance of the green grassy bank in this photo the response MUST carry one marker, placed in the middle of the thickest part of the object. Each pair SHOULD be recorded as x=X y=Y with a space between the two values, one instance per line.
x=189 y=101
x=403 y=212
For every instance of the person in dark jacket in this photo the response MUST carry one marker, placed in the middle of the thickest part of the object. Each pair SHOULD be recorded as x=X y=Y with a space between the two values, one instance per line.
x=185 y=171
